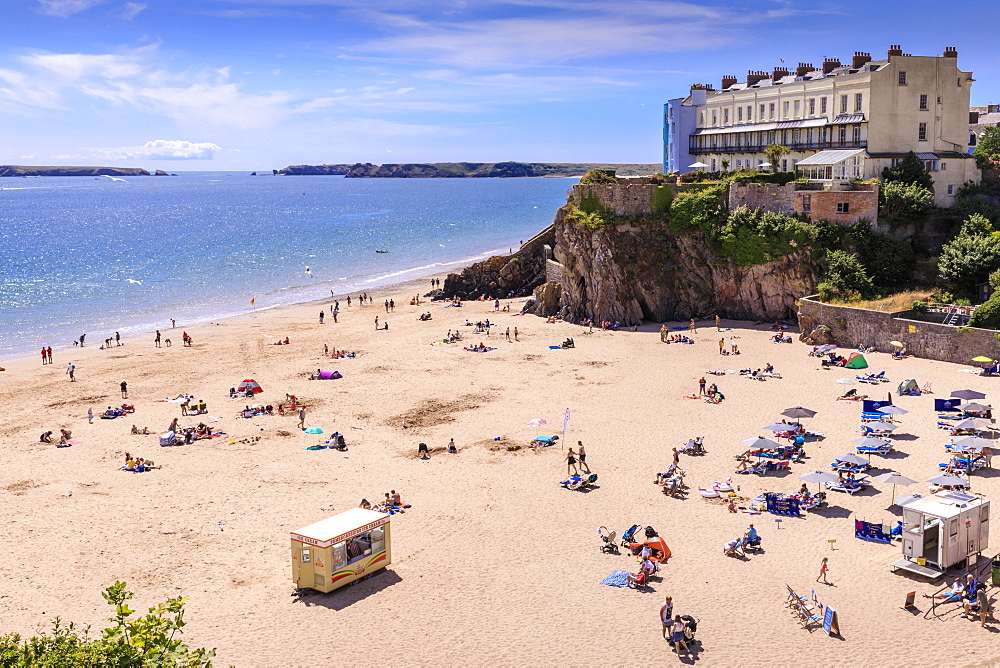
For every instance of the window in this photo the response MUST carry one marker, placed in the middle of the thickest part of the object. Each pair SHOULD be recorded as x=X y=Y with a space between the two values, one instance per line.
x=822 y=105
x=951 y=190
x=761 y=117
x=807 y=203
x=812 y=106
x=843 y=134
x=857 y=102
x=725 y=117
x=857 y=133
x=784 y=109
x=784 y=164
x=958 y=81
x=939 y=99
x=359 y=547
x=902 y=78
x=944 y=166
x=715 y=118
x=972 y=139
x=843 y=104
x=894 y=162
x=749 y=112
x=739 y=114
x=797 y=108
x=843 y=207
x=713 y=164
x=922 y=132
x=701 y=118
x=923 y=103
x=770 y=110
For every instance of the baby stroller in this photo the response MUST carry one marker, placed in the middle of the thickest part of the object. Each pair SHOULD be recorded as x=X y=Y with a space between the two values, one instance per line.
x=629 y=536
x=690 y=628
x=607 y=540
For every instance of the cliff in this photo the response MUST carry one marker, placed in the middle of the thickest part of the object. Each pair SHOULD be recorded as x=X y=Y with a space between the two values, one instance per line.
x=314 y=170
x=21 y=170
x=454 y=170
x=631 y=266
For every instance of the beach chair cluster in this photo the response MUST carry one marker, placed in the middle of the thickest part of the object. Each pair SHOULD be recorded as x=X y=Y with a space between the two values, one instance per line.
x=671 y=482
x=579 y=482
x=805 y=611
x=763 y=467
x=872 y=378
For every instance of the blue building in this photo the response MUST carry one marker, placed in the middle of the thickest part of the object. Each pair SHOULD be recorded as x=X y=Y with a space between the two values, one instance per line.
x=680 y=119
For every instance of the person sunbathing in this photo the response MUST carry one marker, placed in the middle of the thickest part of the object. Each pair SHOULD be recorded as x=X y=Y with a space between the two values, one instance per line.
x=365 y=504
x=768 y=368
x=952 y=596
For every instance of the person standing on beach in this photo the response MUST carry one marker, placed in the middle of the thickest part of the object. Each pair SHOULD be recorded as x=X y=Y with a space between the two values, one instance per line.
x=376 y=323
x=515 y=334
x=118 y=339
x=124 y=387
x=571 y=462
x=173 y=323
x=334 y=313
x=666 y=614
x=701 y=386
x=718 y=323
x=156 y=341
x=823 y=568
x=677 y=636
x=302 y=417
x=722 y=346
x=71 y=370
x=90 y=415
x=392 y=305
x=386 y=305
x=321 y=315
x=693 y=327
x=44 y=361
x=48 y=352
x=82 y=337
x=582 y=454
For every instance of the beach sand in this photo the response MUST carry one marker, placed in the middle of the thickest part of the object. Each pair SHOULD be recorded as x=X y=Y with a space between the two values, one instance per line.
x=495 y=562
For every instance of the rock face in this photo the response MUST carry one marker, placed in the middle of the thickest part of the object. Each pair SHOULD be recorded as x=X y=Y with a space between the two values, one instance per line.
x=313 y=170
x=160 y=172
x=631 y=273
x=22 y=170
x=501 y=275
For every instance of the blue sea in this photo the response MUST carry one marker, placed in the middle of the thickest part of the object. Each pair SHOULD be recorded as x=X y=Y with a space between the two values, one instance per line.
x=96 y=255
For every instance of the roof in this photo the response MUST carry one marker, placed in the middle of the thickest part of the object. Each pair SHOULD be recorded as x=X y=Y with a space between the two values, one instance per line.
x=945 y=503
x=927 y=156
x=324 y=532
x=829 y=157
x=848 y=118
x=763 y=127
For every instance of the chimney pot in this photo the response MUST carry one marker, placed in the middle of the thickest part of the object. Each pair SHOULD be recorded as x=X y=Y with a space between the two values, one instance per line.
x=950 y=52
x=894 y=50
x=803 y=69
x=755 y=76
x=830 y=64
x=860 y=58
x=779 y=72
x=727 y=81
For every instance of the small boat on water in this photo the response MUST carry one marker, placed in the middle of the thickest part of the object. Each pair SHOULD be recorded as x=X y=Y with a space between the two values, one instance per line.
x=381 y=251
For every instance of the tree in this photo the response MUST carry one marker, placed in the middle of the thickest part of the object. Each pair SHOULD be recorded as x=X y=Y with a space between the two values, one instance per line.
x=987 y=315
x=901 y=203
x=987 y=151
x=725 y=165
x=968 y=260
x=774 y=153
x=845 y=278
x=908 y=170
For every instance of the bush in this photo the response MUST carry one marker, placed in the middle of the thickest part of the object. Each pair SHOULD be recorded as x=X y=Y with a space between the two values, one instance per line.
x=987 y=315
x=598 y=176
x=845 y=278
x=752 y=236
x=754 y=176
x=909 y=170
x=698 y=210
x=987 y=151
x=967 y=261
x=903 y=203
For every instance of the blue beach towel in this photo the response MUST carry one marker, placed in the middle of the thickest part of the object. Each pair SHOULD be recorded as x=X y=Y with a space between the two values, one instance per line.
x=616 y=579
x=555 y=347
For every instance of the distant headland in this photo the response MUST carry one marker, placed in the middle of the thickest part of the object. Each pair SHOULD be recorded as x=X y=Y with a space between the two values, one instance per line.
x=453 y=170
x=22 y=170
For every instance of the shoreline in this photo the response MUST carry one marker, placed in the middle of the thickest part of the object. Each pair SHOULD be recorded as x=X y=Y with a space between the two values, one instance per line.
x=390 y=290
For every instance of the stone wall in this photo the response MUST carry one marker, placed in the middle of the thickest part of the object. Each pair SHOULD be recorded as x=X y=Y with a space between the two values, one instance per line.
x=823 y=205
x=854 y=327
x=626 y=197
x=553 y=271
x=764 y=196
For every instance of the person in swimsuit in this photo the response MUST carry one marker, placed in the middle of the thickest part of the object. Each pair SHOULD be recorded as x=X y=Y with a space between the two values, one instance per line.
x=582 y=454
x=571 y=463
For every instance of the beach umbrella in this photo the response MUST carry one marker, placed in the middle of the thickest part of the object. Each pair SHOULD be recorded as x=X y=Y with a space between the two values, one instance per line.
x=852 y=458
x=798 y=412
x=982 y=358
x=973 y=408
x=895 y=479
x=778 y=426
x=758 y=443
x=969 y=442
x=881 y=426
x=313 y=430
x=898 y=344
x=819 y=477
x=698 y=165
x=826 y=347
x=948 y=480
x=892 y=410
x=974 y=423
x=968 y=395
x=536 y=422
x=870 y=441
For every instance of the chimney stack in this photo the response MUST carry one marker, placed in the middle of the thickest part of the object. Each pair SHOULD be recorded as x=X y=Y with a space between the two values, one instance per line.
x=950 y=52
x=779 y=72
x=894 y=50
x=830 y=64
x=860 y=58
x=728 y=80
x=803 y=69
x=755 y=76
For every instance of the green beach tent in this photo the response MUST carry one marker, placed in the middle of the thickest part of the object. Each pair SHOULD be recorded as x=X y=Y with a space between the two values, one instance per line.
x=856 y=361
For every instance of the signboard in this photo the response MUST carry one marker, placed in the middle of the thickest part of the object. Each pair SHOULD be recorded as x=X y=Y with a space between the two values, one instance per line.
x=910 y=598
x=830 y=624
x=912 y=329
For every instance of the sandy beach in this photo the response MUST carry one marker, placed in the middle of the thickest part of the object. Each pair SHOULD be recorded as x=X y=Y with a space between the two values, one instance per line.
x=495 y=562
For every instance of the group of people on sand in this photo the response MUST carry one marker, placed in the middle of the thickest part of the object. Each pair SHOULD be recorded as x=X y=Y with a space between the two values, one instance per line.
x=576 y=460
x=199 y=407
x=64 y=438
x=972 y=594
x=478 y=348
x=282 y=342
x=424 y=452
x=338 y=354
x=137 y=464
x=391 y=504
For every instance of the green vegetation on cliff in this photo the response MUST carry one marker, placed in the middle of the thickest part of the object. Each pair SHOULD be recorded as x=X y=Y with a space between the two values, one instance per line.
x=23 y=170
x=454 y=170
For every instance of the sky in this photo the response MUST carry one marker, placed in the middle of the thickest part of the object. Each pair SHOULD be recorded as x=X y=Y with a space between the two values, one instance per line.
x=261 y=84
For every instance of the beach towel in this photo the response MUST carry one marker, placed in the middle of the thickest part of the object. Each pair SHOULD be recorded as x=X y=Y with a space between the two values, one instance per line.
x=479 y=351
x=317 y=447
x=616 y=579
x=845 y=381
x=555 y=347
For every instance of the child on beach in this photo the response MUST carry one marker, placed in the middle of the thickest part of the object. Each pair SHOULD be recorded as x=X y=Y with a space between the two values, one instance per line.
x=823 y=568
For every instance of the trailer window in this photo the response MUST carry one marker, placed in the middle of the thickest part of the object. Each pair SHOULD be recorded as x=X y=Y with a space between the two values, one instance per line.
x=378 y=540
x=306 y=556
x=358 y=547
x=339 y=555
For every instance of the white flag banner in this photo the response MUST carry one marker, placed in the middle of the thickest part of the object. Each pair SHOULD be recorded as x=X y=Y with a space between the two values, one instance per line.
x=565 y=426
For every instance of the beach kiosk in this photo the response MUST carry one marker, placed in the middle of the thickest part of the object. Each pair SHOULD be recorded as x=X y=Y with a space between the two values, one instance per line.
x=341 y=549
x=942 y=530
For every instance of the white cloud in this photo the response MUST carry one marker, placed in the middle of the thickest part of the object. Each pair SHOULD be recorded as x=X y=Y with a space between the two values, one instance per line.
x=162 y=149
x=132 y=9
x=66 y=8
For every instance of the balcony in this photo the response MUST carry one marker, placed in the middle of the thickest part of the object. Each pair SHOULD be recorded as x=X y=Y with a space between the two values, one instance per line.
x=792 y=146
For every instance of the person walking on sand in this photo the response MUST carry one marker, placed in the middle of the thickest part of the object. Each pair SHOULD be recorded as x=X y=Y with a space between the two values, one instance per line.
x=124 y=387
x=693 y=327
x=718 y=323
x=71 y=370
x=173 y=323
x=376 y=323
x=392 y=305
x=677 y=636
x=515 y=334
x=118 y=339
x=386 y=305
x=677 y=456
x=90 y=415
x=582 y=454
x=666 y=614
x=156 y=341
x=701 y=386
x=571 y=463
x=302 y=417
x=48 y=352
x=321 y=314
x=44 y=361
x=823 y=568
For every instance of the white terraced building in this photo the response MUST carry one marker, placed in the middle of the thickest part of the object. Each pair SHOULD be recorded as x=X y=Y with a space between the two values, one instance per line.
x=839 y=121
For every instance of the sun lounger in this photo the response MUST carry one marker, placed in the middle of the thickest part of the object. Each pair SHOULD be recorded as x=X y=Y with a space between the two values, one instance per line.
x=544 y=440
x=874 y=450
x=850 y=487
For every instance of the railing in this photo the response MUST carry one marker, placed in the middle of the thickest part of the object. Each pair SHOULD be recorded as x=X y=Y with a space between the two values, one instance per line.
x=953 y=311
x=694 y=149
x=976 y=571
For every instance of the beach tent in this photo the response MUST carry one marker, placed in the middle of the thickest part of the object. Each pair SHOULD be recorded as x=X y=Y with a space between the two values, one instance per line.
x=325 y=374
x=856 y=361
x=249 y=384
x=906 y=386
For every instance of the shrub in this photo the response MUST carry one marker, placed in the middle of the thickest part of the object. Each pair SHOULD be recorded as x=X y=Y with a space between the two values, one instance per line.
x=845 y=278
x=752 y=237
x=903 y=203
x=987 y=315
x=698 y=210
x=598 y=176
x=909 y=170
x=662 y=197
x=967 y=261
x=987 y=151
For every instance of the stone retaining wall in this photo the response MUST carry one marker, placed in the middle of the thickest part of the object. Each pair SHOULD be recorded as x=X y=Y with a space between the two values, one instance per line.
x=854 y=327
